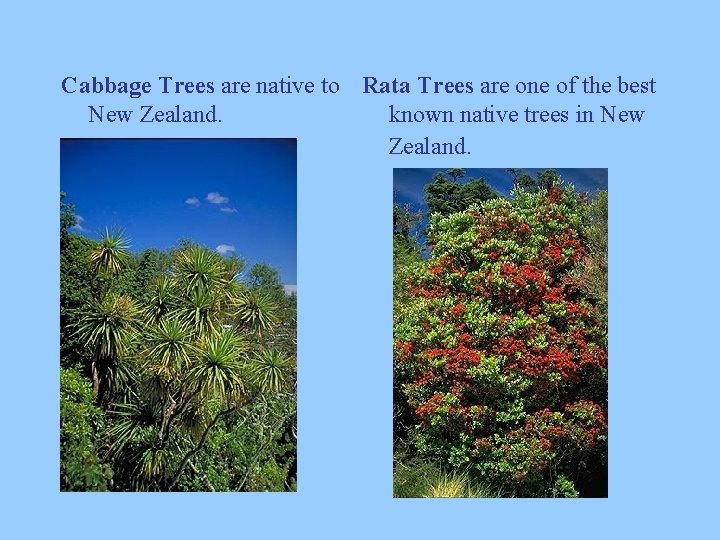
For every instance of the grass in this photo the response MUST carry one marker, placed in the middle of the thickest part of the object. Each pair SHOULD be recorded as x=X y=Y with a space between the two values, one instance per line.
x=422 y=479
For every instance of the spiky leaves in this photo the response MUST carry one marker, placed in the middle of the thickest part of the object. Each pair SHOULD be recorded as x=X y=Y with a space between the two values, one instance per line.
x=134 y=444
x=198 y=269
x=204 y=285
x=192 y=358
x=271 y=370
x=108 y=325
x=256 y=311
x=219 y=371
x=200 y=310
x=170 y=346
x=108 y=329
x=110 y=254
x=160 y=301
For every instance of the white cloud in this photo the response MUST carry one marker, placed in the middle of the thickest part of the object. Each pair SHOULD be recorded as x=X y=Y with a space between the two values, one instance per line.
x=224 y=249
x=192 y=201
x=290 y=289
x=228 y=210
x=215 y=198
x=78 y=223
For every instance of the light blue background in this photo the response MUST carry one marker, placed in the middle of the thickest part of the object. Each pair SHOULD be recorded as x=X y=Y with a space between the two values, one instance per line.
x=663 y=245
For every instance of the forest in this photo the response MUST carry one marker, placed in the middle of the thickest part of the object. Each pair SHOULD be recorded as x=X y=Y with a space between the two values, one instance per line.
x=177 y=368
x=500 y=329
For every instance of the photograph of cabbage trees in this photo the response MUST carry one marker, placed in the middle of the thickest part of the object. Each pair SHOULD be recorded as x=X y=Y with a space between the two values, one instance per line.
x=178 y=288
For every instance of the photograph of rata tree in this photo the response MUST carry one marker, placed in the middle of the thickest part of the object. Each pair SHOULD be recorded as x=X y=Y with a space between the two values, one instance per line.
x=500 y=333
x=178 y=315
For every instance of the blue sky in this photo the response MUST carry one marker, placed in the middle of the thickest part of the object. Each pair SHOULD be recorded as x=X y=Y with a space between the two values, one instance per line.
x=236 y=196
x=408 y=184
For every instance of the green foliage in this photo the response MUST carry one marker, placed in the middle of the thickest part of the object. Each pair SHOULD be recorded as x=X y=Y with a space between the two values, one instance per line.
x=110 y=254
x=252 y=449
x=452 y=485
x=544 y=181
x=262 y=275
x=218 y=371
x=78 y=288
x=81 y=423
x=406 y=247
x=170 y=345
x=108 y=328
x=160 y=299
x=406 y=253
x=446 y=196
x=265 y=280
x=270 y=370
x=564 y=488
x=591 y=273
x=132 y=438
x=270 y=477
x=284 y=335
x=138 y=273
x=255 y=310
x=419 y=478
x=198 y=270
x=183 y=357
x=67 y=216
x=413 y=479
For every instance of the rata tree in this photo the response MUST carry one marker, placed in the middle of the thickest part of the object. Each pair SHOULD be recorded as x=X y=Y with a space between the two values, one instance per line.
x=500 y=358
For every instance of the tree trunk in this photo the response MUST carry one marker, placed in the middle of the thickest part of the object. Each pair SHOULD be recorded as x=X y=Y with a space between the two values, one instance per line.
x=197 y=448
x=95 y=372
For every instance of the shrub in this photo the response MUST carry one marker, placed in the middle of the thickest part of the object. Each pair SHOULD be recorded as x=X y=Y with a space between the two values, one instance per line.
x=81 y=422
